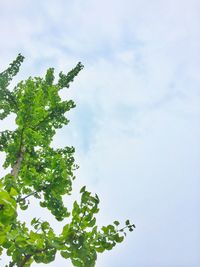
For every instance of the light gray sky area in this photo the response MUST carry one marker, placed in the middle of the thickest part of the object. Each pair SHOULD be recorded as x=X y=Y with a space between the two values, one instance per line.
x=136 y=126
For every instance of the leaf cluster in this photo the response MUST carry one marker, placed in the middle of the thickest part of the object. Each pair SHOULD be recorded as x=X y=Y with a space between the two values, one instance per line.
x=40 y=171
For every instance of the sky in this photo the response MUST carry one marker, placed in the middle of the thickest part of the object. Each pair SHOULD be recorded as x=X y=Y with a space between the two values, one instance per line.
x=136 y=126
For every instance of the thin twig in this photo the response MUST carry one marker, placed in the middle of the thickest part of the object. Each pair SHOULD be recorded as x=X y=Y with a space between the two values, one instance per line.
x=23 y=198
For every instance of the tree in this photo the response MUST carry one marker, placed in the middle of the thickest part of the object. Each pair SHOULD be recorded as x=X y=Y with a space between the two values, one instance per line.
x=45 y=173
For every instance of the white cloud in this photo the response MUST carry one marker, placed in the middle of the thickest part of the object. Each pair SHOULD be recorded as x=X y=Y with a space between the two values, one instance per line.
x=139 y=93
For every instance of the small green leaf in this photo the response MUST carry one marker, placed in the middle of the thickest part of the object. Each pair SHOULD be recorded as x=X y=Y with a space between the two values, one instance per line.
x=13 y=192
x=82 y=189
x=127 y=222
x=116 y=223
x=100 y=249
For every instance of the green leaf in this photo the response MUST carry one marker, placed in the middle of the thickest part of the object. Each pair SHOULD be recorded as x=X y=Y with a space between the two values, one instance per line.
x=13 y=192
x=100 y=249
x=116 y=223
x=92 y=222
x=45 y=226
x=127 y=222
x=77 y=262
x=119 y=239
x=82 y=189
x=65 y=254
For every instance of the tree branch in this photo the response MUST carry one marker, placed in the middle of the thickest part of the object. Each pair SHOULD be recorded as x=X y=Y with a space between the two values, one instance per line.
x=26 y=258
x=32 y=193
x=23 y=198
x=17 y=165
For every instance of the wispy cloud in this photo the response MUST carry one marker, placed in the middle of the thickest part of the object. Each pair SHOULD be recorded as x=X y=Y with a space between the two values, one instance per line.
x=136 y=124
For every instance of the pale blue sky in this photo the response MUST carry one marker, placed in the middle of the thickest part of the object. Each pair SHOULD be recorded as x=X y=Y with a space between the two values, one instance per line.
x=136 y=126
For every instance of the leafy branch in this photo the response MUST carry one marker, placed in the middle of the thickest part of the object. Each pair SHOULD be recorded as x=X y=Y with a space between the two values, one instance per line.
x=46 y=173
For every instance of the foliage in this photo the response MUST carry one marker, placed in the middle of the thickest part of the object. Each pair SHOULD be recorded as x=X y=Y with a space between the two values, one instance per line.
x=40 y=171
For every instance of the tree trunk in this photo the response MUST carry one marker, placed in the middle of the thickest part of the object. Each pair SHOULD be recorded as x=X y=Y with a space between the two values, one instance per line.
x=17 y=165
